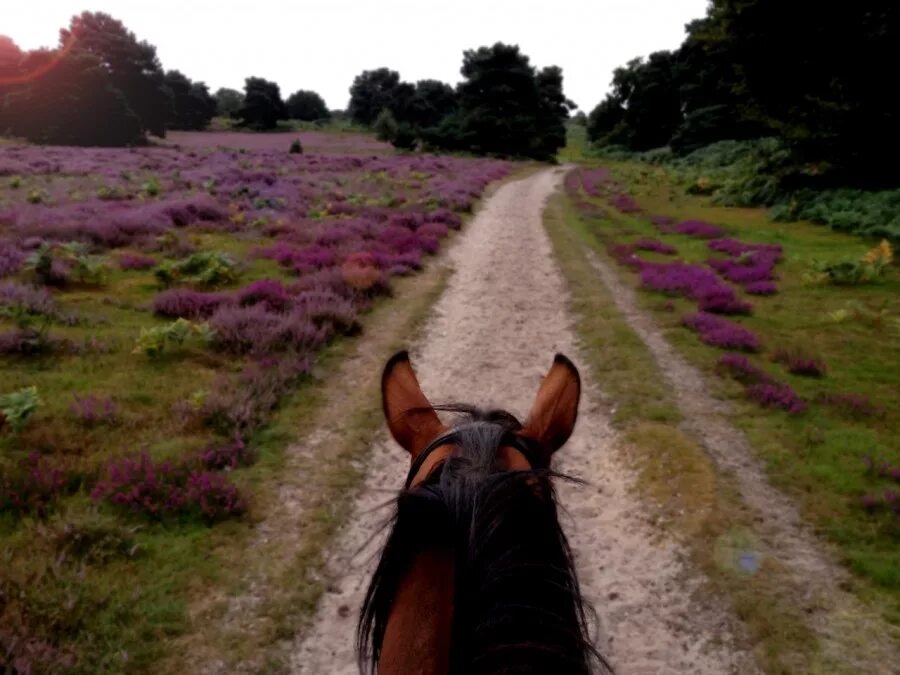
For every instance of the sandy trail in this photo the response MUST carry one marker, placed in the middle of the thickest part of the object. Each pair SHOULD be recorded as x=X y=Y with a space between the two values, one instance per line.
x=490 y=340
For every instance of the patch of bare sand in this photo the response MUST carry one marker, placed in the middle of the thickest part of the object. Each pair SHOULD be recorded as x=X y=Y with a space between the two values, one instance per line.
x=490 y=340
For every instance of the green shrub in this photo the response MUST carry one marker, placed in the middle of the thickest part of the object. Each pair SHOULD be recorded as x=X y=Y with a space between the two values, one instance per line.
x=17 y=407
x=153 y=342
x=206 y=268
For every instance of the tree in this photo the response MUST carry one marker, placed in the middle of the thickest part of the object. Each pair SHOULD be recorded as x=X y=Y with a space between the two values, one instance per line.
x=553 y=112
x=194 y=108
x=431 y=102
x=816 y=75
x=263 y=106
x=132 y=66
x=643 y=110
x=228 y=101
x=10 y=60
x=507 y=108
x=375 y=90
x=72 y=103
x=605 y=121
x=307 y=106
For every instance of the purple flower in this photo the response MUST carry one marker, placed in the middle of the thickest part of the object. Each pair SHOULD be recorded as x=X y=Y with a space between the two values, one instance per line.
x=131 y=261
x=699 y=229
x=775 y=395
x=184 y=303
x=655 y=245
x=740 y=368
x=719 y=332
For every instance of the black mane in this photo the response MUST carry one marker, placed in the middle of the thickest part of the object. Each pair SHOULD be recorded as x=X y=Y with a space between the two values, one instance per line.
x=517 y=604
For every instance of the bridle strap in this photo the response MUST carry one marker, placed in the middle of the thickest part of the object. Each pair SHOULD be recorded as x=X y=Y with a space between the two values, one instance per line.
x=529 y=448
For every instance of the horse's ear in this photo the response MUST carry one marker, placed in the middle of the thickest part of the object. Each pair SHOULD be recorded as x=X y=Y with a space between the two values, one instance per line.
x=410 y=417
x=552 y=417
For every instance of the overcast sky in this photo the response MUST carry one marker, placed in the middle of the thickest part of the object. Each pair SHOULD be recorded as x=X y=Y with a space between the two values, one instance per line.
x=323 y=44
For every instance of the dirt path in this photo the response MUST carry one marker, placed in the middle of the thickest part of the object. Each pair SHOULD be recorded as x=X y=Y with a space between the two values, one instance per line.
x=490 y=340
x=853 y=638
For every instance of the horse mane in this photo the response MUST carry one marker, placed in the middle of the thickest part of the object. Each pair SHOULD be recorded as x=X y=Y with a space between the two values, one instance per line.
x=518 y=607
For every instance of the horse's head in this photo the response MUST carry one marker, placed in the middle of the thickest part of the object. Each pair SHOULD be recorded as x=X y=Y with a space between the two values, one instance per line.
x=415 y=425
x=476 y=575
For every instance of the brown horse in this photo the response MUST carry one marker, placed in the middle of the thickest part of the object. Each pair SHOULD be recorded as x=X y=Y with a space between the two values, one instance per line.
x=476 y=576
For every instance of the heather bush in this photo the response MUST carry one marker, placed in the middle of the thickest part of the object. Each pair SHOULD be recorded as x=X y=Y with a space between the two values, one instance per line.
x=268 y=292
x=17 y=407
x=92 y=410
x=719 y=332
x=238 y=405
x=655 y=246
x=231 y=455
x=132 y=261
x=24 y=302
x=255 y=329
x=182 y=303
x=11 y=258
x=163 y=489
x=30 y=341
x=799 y=363
x=740 y=368
x=698 y=229
x=32 y=487
x=776 y=395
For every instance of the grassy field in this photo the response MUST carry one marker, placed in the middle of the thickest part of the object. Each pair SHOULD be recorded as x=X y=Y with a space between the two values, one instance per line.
x=839 y=456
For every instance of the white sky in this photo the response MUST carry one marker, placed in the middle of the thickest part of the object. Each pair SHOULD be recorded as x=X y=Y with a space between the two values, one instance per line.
x=323 y=44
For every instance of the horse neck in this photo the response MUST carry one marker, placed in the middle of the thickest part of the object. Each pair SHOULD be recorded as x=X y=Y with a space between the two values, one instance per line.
x=419 y=627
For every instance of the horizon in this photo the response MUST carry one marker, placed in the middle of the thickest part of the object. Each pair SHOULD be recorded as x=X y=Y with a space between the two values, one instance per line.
x=423 y=43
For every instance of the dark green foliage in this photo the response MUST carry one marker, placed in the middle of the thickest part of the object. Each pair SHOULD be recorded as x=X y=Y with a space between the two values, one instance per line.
x=499 y=100
x=644 y=110
x=307 y=106
x=132 y=66
x=816 y=74
x=432 y=102
x=193 y=106
x=811 y=74
x=228 y=101
x=506 y=108
x=376 y=90
x=296 y=147
x=263 y=106
x=73 y=103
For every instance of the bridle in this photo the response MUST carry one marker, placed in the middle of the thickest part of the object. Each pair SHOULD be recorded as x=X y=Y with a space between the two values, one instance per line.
x=531 y=449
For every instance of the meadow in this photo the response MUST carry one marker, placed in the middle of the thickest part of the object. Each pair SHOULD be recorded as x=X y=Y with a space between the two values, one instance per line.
x=157 y=306
x=794 y=324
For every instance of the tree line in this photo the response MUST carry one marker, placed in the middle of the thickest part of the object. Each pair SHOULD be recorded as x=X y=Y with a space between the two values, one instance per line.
x=812 y=74
x=503 y=106
x=102 y=86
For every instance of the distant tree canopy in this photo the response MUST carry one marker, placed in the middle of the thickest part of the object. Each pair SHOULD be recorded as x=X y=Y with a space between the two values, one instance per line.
x=100 y=86
x=133 y=66
x=262 y=106
x=193 y=105
x=503 y=106
x=228 y=101
x=376 y=90
x=754 y=68
x=307 y=106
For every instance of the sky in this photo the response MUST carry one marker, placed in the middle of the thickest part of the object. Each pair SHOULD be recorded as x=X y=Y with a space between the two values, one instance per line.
x=323 y=44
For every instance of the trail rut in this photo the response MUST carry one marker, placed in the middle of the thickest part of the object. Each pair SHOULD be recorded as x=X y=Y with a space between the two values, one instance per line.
x=489 y=341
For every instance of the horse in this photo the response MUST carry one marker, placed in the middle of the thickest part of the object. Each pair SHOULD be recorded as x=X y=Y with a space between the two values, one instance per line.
x=476 y=576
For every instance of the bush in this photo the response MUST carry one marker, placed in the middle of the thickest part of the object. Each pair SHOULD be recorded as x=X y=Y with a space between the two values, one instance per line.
x=153 y=342
x=296 y=147
x=17 y=407
x=163 y=489
x=181 y=303
x=207 y=268
x=32 y=487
